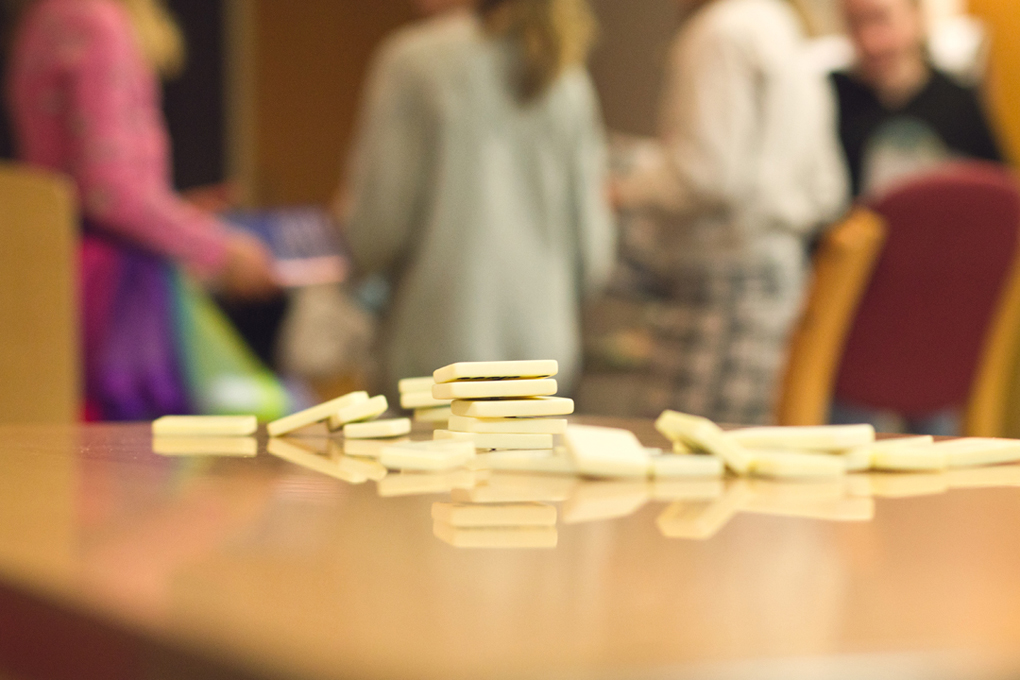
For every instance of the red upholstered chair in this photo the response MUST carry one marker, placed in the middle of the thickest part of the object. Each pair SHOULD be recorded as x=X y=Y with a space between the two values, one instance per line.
x=941 y=309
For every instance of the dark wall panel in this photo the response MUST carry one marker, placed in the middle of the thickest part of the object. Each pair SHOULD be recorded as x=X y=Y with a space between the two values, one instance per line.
x=194 y=103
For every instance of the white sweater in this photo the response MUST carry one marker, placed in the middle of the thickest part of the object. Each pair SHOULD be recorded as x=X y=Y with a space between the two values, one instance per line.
x=747 y=162
x=488 y=216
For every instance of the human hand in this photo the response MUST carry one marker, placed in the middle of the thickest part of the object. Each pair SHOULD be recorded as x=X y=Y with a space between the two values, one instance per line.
x=214 y=198
x=248 y=273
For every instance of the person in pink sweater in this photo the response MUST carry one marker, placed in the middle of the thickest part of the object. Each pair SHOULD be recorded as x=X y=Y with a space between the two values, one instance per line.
x=85 y=100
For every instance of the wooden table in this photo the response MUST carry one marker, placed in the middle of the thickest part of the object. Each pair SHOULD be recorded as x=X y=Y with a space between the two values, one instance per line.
x=116 y=562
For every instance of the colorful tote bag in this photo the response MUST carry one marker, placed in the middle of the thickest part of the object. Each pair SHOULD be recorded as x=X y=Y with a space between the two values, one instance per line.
x=156 y=344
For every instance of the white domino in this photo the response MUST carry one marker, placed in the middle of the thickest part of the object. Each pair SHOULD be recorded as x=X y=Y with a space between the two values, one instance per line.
x=495 y=389
x=702 y=434
x=242 y=447
x=433 y=415
x=495 y=514
x=496 y=370
x=206 y=426
x=498 y=442
x=978 y=452
x=910 y=459
x=358 y=412
x=536 y=407
x=378 y=429
x=607 y=452
x=861 y=458
x=502 y=538
x=796 y=465
x=427 y=456
x=408 y=385
x=673 y=466
x=511 y=442
x=508 y=425
x=367 y=448
x=416 y=400
x=316 y=414
x=445 y=435
x=815 y=438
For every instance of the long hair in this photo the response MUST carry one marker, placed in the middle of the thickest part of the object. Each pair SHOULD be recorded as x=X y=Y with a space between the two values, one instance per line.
x=156 y=30
x=553 y=35
x=158 y=34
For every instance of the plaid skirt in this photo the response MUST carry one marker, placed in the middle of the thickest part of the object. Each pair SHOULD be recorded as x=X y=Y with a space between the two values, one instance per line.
x=706 y=341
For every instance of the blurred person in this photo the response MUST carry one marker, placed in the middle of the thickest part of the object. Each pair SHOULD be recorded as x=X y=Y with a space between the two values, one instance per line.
x=720 y=206
x=477 y=186
x=84 y=94
x=898 y=114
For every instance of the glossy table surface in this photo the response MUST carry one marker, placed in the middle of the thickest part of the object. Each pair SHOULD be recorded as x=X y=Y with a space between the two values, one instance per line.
x=280 y=568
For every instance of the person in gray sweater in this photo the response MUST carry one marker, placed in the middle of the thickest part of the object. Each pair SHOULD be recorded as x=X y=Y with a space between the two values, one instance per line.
x=477 y=187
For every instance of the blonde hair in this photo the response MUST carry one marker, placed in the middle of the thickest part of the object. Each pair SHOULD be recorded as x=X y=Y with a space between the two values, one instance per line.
x=158 y=34
x=553 y=35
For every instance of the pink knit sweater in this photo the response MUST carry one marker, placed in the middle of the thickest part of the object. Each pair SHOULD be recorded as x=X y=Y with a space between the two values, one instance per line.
x=85 y=102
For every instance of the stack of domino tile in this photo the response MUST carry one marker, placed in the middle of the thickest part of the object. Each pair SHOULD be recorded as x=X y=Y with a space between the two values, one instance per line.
x=355 y=413
x=503 y=405
x=416 y=395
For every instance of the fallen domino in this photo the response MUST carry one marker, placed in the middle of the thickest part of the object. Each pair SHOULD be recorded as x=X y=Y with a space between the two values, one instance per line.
x=977 y=451
x=378 y=429
x=427 y=456
x=416 y=400
x=815 y=438
x=208 y=426
x=242 y=447
x=796 y=465
x=316 y=414
x=357 y=412
x=408 y=385
x=607 y=452
x=702 y=434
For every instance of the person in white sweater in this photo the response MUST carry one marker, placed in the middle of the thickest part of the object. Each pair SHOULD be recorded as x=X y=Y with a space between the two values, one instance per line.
x=478 y=187
x=745 y=170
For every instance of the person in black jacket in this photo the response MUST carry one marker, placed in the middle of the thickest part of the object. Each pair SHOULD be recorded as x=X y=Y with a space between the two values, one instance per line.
x=898 y=115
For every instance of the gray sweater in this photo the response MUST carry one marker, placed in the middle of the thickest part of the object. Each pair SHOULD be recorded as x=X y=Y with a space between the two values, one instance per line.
x=488 y=216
